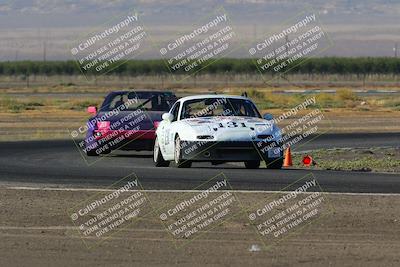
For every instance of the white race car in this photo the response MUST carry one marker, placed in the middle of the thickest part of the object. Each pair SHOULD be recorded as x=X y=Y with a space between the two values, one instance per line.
x=217 y=129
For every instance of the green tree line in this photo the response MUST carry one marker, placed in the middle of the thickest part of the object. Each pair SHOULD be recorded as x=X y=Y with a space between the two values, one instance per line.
x=324 y=65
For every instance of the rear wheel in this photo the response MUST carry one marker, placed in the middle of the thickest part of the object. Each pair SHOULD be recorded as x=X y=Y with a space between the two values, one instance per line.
x=91 y=153
x=180 y=163
x=91 y=149
x=104 y=149
x=274 y=163
x=157 y=156
x=253 y=164
x=100 y=149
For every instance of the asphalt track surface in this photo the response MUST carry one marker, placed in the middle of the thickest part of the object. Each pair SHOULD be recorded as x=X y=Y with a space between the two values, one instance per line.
x=59 y=164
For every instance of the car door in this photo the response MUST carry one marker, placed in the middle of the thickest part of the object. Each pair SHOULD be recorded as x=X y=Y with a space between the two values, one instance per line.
x=168 y=132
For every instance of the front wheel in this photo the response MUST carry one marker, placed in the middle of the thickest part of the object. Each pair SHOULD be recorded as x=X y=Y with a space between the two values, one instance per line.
x=157 y=156
x=91 y=152
x=179 y=162
x=274 y=163
x=97 y=150
x=253 y=164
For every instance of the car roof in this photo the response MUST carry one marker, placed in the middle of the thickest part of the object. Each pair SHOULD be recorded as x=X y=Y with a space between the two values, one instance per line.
x=211 y=96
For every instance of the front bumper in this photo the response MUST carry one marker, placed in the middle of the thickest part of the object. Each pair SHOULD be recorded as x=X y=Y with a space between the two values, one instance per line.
x=125 y=134
x=124 y=139
x=226 y=151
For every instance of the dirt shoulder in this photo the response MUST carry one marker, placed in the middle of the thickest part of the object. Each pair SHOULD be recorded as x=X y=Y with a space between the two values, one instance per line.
x=374 y=159
x=360 y=230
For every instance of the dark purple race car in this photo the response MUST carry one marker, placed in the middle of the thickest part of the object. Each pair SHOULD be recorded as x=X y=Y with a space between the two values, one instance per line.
x=127 y=120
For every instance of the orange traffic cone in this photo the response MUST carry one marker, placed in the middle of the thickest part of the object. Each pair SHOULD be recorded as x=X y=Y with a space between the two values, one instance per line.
x=288 y=158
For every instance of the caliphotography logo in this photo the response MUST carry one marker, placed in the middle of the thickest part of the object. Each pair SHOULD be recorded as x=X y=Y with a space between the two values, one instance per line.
x=210 y=39
x=115 y=42
x=289 y=210
x=300 y=125
x=297 y=39
x=186 y=133
x=198 y=212
x=124 y=119
x=110 y=211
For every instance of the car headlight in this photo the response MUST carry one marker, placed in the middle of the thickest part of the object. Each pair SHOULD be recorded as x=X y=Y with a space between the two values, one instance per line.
x=156 y=123
x=103 y=125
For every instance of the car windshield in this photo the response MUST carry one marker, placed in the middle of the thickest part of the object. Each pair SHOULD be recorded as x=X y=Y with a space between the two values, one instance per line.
x=208 y=107
x=148 y=101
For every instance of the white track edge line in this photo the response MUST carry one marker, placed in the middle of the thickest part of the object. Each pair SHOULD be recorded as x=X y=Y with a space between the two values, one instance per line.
x=190 y=191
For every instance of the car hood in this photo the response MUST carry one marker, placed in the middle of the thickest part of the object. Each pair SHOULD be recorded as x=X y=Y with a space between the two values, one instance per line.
x=231 y=128
x=130 y=120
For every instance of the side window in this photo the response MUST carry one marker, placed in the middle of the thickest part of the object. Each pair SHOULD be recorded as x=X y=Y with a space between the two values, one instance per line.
x=175 y=111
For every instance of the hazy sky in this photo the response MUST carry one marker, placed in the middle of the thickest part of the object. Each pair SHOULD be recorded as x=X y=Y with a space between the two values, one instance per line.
x=30 y=27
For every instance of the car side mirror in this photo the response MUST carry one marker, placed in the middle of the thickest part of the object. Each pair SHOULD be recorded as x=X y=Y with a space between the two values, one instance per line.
x=92 y=110
x=167 y=117
x=268 y=117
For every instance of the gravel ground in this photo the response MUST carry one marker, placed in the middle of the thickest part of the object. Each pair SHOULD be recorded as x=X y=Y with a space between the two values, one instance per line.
x=352 y=230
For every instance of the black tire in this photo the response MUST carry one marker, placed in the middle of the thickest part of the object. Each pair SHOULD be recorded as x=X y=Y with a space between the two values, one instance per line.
x=179 y=163
x=253 y=164
x=157 y=156
x=274 y=163
x=91 y=153
x=105 y=152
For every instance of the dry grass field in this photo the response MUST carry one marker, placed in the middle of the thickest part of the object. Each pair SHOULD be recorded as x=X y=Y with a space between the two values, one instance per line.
x=48 y=113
